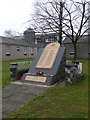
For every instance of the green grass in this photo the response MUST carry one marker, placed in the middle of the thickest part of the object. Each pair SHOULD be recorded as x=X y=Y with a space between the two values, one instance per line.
x=0 y=74
x=67 y=102
x=6 y=70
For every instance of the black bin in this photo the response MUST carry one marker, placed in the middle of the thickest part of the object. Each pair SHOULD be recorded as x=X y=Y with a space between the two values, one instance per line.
x=13 y=71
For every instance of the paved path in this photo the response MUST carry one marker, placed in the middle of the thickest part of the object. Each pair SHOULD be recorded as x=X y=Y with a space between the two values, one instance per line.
x=15 y=96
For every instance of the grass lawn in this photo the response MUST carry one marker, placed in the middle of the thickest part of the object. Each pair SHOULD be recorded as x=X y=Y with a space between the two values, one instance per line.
x=0 y=74
x=6 y=70
x=67 y=102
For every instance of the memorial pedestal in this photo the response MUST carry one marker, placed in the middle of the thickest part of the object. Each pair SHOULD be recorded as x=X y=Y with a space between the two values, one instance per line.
x=51 y=61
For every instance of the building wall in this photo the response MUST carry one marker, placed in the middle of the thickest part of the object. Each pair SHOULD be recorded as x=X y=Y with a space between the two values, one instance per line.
x=15 y=54
x=29 y=35
x=89 y=17
x=82 y=50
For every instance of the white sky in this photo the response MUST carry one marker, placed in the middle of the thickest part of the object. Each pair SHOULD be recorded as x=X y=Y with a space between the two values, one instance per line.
x=14 y=14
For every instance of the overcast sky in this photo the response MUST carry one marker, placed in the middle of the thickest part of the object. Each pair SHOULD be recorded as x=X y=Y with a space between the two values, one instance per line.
x=14 y=14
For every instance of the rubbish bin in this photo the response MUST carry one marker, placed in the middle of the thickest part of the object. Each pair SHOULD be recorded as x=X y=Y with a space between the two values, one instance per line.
x=13 y=71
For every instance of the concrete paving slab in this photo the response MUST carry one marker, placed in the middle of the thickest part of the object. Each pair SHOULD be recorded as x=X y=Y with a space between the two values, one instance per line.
x=15 y=96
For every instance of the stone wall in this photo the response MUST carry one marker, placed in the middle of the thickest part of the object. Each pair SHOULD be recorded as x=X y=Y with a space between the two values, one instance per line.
x=15 y=54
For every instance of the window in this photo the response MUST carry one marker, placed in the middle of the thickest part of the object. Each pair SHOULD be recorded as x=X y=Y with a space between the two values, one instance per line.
x=8 y=50
x=71 y=49
x=32 y=51
x=25 y=50
x=49 y=40
x=39 y=40
x=36 y=41
x=18 y=48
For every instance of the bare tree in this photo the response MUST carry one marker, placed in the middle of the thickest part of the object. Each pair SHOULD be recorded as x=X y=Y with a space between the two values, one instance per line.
x=12 y=34
x=9 y=33
x=76 y=24
x=67 y=17
x=48 y=17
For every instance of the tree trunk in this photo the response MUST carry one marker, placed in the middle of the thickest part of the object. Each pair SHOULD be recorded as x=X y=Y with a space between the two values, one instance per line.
x=60 y=18
x=75 y=50
x=60 y=37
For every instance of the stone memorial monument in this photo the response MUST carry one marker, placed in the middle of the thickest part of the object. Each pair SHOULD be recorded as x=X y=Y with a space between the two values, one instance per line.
x=48 y=66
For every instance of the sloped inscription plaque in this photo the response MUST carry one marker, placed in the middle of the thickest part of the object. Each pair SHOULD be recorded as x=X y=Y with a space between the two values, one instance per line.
x=48 y=56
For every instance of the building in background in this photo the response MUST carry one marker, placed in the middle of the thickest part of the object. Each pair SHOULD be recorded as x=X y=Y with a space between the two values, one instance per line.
x=89 y=17
x=83 y=48
x=27 y=46
x=16 y=49
x=43 y=39
x=19 y=46
x=29 y=35
x=89 y=29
